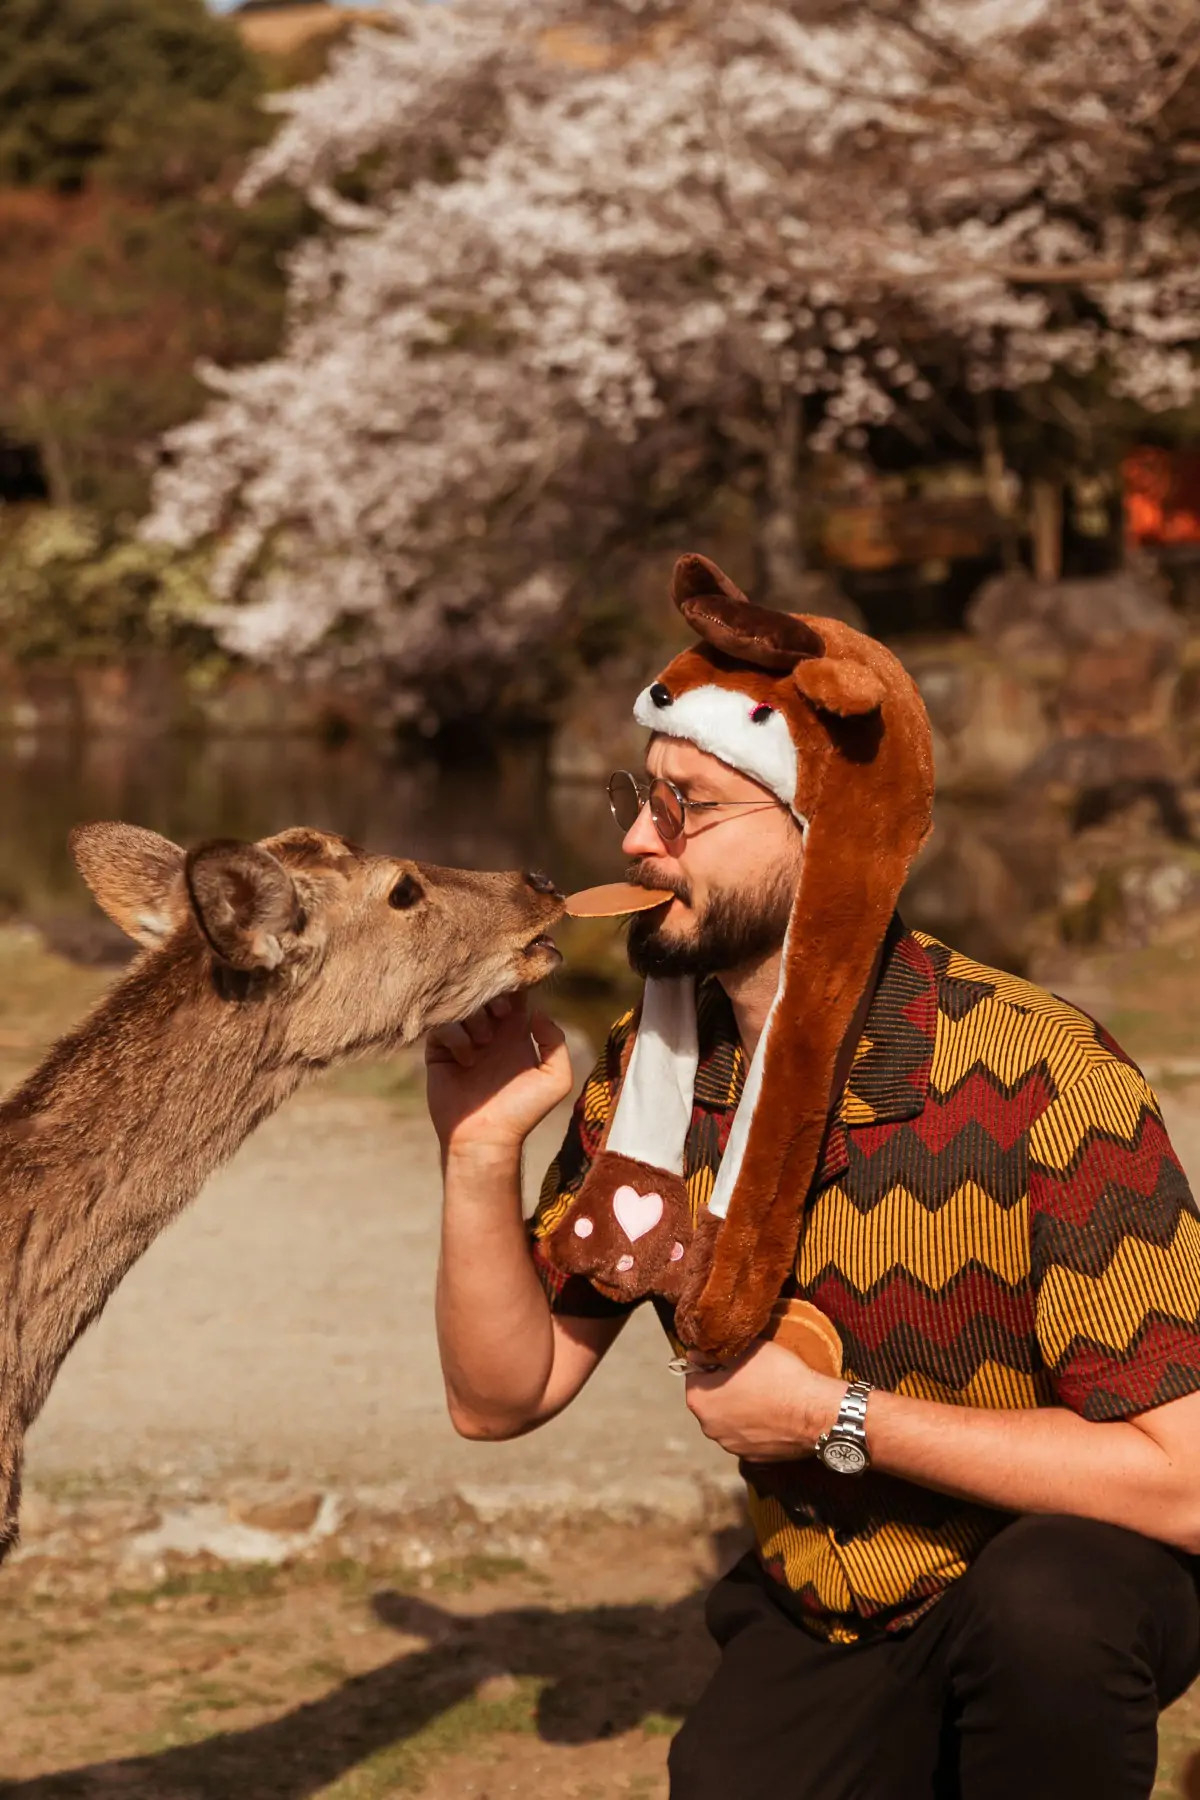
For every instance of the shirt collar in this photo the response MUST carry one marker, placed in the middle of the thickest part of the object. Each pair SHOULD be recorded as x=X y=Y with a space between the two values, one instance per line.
x=889 y=1078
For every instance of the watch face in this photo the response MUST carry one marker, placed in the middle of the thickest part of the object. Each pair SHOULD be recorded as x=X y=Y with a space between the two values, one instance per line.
x=845 y=1457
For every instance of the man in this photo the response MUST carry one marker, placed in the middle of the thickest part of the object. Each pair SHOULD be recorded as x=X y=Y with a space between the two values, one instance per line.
x=1002 y=1597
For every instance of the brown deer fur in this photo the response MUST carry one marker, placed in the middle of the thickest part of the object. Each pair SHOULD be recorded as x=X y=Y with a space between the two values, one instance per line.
x=263 y=963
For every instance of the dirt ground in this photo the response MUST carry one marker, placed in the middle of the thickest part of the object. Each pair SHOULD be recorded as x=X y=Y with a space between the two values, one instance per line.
x=561 y=1672
x=258 y=1563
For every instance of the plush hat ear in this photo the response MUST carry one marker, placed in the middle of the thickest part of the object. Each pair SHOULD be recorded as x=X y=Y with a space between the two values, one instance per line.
x=135 y=875
x=244 y=902
x=720 y=613
x=695 y=577
x=846 y=688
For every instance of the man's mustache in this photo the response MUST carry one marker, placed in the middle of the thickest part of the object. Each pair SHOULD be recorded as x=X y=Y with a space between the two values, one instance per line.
x=645 y=874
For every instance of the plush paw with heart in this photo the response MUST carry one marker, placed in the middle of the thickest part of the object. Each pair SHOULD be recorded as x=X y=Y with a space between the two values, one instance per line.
x=628 y=1230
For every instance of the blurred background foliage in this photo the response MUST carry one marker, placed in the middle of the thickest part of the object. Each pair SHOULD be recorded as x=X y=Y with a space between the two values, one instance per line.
x=123 y=256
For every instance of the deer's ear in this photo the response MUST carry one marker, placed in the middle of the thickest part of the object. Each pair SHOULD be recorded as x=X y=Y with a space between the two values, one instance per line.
x=244 y=902
x=135 y=875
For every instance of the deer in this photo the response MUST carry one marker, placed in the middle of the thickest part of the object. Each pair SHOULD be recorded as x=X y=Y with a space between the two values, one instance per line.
x=259 y=965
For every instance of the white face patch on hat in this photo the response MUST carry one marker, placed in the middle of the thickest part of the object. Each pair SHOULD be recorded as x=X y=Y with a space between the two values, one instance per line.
x=733 y=727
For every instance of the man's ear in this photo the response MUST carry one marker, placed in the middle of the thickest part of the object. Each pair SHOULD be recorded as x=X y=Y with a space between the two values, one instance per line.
x=244 y=901
x=135 y=875
x=848 y=689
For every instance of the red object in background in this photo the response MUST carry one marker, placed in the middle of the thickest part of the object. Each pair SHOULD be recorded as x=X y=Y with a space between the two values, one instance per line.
x=1162 y=496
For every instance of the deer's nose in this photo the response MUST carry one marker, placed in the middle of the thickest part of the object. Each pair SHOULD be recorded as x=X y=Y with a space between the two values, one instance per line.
x=541 y=884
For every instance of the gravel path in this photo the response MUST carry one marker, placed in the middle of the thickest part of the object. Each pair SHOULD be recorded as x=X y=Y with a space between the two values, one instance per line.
x=285 y=1323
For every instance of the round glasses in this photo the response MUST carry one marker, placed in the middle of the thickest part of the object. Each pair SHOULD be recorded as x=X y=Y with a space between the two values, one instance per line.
x=668 y=808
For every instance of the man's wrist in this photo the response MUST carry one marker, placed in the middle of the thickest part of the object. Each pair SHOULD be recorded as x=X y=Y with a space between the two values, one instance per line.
x=482 y=1155
x=826 y=1404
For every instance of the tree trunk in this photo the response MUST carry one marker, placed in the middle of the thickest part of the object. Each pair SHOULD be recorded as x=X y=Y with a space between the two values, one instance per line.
x=36 y=425
x=1047 y=522
x=997 y=485
x=779 y=539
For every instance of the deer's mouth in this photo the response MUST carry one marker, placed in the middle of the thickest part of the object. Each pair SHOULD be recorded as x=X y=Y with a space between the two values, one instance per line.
x=543 y=945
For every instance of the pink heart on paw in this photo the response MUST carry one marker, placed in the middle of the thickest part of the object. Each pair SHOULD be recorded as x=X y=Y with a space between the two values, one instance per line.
x=636 y=1213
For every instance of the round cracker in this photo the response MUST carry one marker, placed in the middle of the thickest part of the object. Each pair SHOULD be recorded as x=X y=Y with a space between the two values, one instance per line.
x=614 y=900
x=799 y=1326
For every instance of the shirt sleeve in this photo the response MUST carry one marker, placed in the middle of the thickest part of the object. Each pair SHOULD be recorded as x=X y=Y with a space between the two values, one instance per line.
x=573 y=1296
x=1115 y=1239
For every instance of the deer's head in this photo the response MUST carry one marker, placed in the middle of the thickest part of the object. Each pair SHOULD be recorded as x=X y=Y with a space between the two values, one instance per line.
x=361 y=951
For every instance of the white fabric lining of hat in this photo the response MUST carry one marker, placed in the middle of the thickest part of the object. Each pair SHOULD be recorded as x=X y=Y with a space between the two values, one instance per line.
x=718 y=720
x=654 y=1108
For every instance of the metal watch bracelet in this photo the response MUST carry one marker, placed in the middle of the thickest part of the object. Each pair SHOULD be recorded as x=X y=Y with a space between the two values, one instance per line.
x=843 y=1447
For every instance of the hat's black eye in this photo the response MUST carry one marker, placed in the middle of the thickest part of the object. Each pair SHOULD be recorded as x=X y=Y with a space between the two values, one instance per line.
x=406 y=893
x=762 y=713
x=660 y=695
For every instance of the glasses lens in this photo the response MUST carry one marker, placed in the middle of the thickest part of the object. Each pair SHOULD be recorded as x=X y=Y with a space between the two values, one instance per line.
x=666 y=809
x=624 y=799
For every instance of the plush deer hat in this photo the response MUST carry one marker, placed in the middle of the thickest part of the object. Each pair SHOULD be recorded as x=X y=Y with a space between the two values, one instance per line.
x=828 y=720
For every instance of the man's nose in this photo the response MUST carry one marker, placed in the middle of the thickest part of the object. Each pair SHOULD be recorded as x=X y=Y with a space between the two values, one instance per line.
x=642 y=838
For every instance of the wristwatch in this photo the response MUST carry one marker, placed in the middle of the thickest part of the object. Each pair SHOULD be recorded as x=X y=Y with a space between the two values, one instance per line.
x=844 y=1446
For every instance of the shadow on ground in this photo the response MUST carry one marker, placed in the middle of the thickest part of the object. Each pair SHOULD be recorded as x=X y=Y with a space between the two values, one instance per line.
x=601 y=1672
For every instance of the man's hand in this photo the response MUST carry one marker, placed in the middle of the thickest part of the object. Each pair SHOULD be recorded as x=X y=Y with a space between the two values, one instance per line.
x=492 y=1078
x=768 y=1406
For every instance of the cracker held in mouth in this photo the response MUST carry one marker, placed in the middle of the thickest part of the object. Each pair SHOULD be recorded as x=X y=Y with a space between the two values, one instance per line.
x=614 y=900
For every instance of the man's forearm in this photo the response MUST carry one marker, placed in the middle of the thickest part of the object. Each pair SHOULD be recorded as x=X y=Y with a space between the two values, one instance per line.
x=1044 y=1460
x=495 y=1332
x=1142 y=1473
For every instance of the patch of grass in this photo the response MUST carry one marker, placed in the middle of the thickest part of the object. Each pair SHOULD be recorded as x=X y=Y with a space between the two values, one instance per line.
x=461 y=1575
x=325 y=1668
x=249 y=1581
x=18 y=1665
x=659 y=1725
x=404 y=1766
x=174 y=1736
x=215 y=1696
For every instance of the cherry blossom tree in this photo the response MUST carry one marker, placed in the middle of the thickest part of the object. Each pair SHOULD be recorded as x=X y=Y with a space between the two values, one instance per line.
x=567 y=269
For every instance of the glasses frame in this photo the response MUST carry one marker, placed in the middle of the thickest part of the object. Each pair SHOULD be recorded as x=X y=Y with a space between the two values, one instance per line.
x=645 y=791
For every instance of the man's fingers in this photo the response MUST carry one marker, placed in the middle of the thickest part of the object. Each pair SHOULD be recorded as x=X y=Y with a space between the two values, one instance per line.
x=478 y=1027
x=450 y=1043
x=547 y=1035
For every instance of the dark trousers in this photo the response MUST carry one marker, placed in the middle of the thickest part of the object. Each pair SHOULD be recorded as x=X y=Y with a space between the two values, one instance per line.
x=1038 y=1676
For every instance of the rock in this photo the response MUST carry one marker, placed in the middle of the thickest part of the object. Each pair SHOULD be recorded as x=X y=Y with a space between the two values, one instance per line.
x=1110 y=649
x=988 y=879
x=1021 y=616
x=816 y=591
x=1099 y=776
x=989 y=720
x=287 y=1513
x=497 y=1690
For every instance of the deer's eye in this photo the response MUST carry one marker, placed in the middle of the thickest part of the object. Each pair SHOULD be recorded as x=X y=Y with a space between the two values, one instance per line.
x=406 y=893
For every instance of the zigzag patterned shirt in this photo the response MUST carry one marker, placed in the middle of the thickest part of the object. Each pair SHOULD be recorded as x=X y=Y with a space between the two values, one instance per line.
x=998 y=1220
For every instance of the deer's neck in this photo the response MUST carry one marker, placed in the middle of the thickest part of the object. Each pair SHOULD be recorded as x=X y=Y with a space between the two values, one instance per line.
x=108 y=1140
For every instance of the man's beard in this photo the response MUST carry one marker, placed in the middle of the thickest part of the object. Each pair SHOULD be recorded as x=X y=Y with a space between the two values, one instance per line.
x=734 y=928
